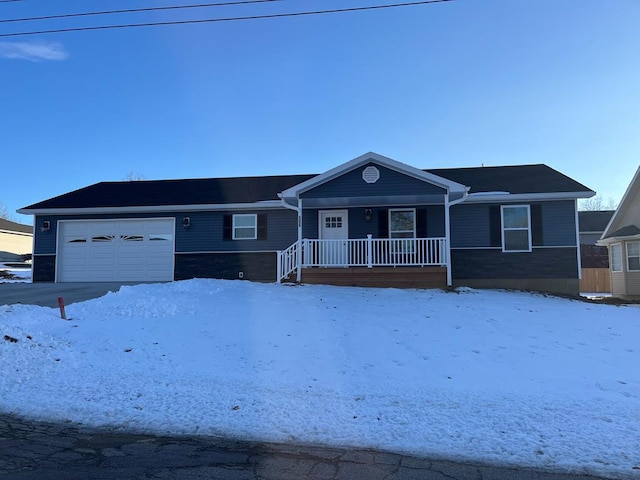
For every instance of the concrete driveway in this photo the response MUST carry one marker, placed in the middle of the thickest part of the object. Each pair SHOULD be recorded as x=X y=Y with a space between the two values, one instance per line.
x=46 y=294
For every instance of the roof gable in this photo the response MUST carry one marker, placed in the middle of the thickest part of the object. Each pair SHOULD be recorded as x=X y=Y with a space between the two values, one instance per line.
x=628 y=212
x=374 y=159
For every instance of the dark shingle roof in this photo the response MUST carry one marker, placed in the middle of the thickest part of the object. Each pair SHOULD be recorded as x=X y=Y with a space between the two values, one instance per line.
x=198 y=191
x=513 y=179
x=204 y=191
x=594 y=221
x=14 y=227
x=628 y=231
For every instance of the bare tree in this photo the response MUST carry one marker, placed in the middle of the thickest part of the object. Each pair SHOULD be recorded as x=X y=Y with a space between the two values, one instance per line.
x=4 y=212
x=133 y=177
x=597 y=203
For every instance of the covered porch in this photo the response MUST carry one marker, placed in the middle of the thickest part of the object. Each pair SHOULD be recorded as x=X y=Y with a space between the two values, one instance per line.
x=367 y=262
x=371 y=222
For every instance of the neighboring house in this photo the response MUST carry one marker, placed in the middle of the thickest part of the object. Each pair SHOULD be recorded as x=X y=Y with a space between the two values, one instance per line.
x=370 y=221
x=594 y=258
x=622 y=237
x=16 y=241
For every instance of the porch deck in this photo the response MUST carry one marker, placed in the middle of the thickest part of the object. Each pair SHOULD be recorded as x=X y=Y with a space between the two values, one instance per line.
x=397 y=277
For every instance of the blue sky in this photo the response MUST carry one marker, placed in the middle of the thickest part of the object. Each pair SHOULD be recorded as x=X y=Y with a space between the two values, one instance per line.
x=456 y=84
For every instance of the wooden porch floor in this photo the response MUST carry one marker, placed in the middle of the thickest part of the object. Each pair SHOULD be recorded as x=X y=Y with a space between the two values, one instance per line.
x=398 y=277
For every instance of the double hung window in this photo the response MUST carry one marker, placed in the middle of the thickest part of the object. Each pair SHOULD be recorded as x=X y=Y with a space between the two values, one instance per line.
x=402 y=224
x=633 y=256
x=516 y=228
x=245 y=226
x=616 y=257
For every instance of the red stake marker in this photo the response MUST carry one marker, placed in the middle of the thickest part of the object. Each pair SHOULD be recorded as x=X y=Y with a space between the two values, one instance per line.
x=63 y=314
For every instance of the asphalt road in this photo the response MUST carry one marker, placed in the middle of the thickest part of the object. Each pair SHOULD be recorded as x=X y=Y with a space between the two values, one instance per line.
x=33 y=450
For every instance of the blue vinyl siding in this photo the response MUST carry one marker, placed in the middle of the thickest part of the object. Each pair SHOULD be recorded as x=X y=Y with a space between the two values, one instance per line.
x=391 y=182
x=471 y=225
x=204 y=234
x=559 y=224
x=359 y=227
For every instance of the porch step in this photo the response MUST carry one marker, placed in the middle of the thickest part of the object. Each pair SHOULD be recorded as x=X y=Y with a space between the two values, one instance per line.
x=397 y=277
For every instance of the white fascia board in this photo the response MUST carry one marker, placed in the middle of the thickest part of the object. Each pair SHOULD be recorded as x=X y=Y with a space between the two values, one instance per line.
x=526 y=197
x=269 y=204
x=400 y=167
x=605 y=242
x=14 y=232
x=635 y=183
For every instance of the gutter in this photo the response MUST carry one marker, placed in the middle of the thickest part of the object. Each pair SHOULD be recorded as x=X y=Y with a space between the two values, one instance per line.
x=447 y=222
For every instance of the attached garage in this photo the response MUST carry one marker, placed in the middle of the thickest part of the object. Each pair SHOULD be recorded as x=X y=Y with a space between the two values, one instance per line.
x=123 y=250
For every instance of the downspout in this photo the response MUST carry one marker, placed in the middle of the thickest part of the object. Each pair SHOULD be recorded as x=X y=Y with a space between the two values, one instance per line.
x=578 y=242
x=447 y=229
x=298 y=210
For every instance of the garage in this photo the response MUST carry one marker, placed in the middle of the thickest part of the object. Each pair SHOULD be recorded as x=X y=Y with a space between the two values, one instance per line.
x=123 y=250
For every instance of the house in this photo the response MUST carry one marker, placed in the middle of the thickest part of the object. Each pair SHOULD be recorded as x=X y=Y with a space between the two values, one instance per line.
x=594 y=258
x=16 y=241
x=370 y=221
x=622 y=237
x=593 y=224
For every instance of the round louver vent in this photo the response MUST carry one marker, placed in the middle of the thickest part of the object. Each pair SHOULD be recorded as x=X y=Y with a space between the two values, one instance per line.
x=371 y=174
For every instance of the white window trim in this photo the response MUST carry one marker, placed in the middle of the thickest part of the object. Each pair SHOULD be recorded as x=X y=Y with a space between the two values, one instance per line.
x=255 y=226
x=403 y=210
x=621 y=262
x=528 y=229
x=629 y=269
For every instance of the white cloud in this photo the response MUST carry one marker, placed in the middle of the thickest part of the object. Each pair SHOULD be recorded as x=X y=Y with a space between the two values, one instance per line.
x=33 y=51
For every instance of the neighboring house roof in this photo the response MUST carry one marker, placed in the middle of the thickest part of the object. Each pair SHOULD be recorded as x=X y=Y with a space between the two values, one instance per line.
x=594 y=221
x=9 y=226
x=628 y=231
x=626 y=219
x=162 y=194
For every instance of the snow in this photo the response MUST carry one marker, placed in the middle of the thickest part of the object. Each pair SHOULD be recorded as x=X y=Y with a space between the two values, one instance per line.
x=492 y=376
x=17 y=274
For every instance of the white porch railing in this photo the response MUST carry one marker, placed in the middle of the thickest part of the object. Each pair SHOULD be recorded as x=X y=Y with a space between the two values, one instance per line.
x=363 y=252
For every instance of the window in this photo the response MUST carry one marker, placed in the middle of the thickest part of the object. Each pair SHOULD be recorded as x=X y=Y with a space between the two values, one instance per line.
x=616 y=257
x=402 y=223
x=333 y=222
x=633 y=256
x=516 y=228
x=245 y=227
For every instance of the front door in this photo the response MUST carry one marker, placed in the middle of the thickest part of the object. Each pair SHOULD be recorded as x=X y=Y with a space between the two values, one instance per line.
x=334 y=233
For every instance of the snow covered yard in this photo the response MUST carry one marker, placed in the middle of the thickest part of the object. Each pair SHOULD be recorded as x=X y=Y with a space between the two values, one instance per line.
x=501 y=377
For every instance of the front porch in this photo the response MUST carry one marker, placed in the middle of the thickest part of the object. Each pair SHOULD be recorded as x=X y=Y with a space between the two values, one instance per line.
x=367 y=262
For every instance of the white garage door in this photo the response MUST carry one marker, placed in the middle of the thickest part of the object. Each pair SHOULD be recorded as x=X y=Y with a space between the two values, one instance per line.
x=116 y=250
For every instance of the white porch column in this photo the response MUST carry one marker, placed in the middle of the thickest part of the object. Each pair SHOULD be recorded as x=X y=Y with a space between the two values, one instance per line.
x=447 y=236
x=299 y=256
